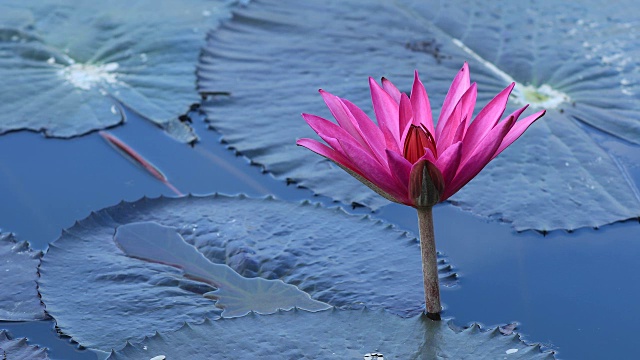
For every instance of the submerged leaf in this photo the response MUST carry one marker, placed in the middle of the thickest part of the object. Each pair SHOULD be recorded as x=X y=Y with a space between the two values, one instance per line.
x=235 y=294
x=579 y=64
x=101 y=297
x=18 y=273
x=333 y=334
x=138 y=159
x=68 y=67
x=18 y=349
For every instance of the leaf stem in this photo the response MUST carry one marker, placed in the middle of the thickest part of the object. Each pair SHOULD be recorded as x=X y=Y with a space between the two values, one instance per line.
x=429 y=263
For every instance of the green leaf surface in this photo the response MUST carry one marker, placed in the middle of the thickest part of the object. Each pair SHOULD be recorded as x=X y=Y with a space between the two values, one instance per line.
x=19 y=349
x=102 y=296
x=332 y=334
x=18 y=274
x=68 y=67
x=578 y=63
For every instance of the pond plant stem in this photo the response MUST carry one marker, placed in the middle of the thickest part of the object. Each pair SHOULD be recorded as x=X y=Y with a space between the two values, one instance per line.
x=429 y=262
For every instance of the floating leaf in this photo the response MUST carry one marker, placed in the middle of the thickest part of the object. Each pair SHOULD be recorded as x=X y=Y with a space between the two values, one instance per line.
x=579 y=64
x=68 y=67
x=333 y=334
x=18 y=349
x=18 y=273
x=101 y=297
x=235 y=294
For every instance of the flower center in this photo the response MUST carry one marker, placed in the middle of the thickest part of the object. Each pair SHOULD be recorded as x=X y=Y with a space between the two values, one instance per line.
x=417 y=141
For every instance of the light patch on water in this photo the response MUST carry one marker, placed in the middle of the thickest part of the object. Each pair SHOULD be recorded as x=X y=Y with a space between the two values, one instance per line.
x=543 y=97
x=85 y=76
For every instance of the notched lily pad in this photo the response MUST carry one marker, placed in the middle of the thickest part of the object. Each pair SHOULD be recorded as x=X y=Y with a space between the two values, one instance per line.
x=333 y=334
x=18 y=273
x=19 y=349
x=579 y=64
x=179 y=251
x=69 y=67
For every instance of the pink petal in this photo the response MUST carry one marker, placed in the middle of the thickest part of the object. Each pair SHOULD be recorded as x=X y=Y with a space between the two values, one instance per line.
x=449 y=161
x=323 y=150
x=361 y=128
x=333 y=134
x=458 y=87
x=450 y=130
x=486 y=120
x=469 y=105
x=462 y=128
x=344 y=117
x=428 y=156
x=391 y=89
x=421 y=106
x=406 y=116
x=347 y=166
x=399 y=167
x=471 y=166
x=373 y=171
x=369 y=130
x=517 y=130
x=457 y=122
x=326 y=129
x=516 y=114
x=386 y=110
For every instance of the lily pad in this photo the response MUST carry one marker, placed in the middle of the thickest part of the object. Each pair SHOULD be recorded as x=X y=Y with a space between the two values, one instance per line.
x=18 y=349
x=578 y=63
x=333 y=334
x=68 y=68
x=19 y=272
x=101 y=297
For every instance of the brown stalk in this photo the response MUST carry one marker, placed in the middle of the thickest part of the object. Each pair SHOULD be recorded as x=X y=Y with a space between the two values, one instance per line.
x=429 y=262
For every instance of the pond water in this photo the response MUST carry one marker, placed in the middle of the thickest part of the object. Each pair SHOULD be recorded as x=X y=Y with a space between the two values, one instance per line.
x=574 y=292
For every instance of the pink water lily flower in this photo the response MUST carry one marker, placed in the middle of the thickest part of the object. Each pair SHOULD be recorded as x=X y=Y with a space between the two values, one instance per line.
x=406 y=157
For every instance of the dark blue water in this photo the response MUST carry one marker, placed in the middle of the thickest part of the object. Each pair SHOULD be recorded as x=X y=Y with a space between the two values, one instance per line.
x=575 y=292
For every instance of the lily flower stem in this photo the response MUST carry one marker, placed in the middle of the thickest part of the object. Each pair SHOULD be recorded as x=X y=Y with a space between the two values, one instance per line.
x=429 y=262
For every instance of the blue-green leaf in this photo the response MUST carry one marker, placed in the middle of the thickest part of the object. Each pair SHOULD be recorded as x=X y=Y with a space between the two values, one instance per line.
x=68 y=67
x=170 y=260
x=18 y=349
x=579 y=64
x=19 y=300
x=333 y=334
